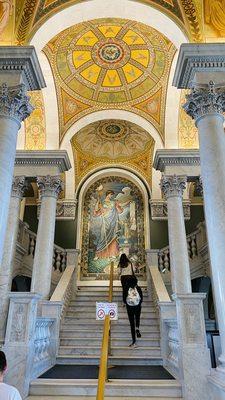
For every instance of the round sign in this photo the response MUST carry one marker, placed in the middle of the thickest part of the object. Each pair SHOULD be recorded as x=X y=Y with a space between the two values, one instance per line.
x=101 y=314
x=112 y=313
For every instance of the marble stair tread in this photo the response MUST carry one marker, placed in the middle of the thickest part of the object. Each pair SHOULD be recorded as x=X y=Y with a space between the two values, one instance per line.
x=94 y=398
x=68 y=341
x=115 y=387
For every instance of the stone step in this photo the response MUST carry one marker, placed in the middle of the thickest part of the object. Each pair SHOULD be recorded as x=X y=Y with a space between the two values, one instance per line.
x=68 y=341
x=117 y=387
x=122 y=314
x=96 y=295
x=92 y=308
x=116 y=333
x=116 y=351
x=88 y=322
x=94 y=398
x=113 y=360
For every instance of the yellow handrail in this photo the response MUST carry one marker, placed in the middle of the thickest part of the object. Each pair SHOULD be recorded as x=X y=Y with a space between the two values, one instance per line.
x=106 y=345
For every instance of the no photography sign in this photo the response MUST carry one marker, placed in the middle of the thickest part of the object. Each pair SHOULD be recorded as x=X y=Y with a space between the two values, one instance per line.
x=103 y=309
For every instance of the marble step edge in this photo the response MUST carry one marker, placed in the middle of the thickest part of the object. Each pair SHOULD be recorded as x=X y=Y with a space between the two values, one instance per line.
x=143 y=339
x=111 y=358
x=112 y=347
x=112 y=382
x=38 y=397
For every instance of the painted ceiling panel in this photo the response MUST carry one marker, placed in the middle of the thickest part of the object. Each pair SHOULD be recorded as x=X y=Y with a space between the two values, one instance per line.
x=111 y=64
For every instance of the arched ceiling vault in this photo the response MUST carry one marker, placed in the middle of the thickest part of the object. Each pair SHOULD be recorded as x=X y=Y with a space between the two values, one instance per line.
x=31 y=14
x=110 y=63
x=112 y=143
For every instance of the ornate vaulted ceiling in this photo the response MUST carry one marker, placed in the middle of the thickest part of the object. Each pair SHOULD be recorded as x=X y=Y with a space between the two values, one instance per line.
x=112 y=142
x=110 y=64
x=31 y=14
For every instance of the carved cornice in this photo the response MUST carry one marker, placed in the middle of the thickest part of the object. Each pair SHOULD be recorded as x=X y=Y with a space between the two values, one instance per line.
x=40 y=158
x=22 y=60
x=205 y=100
x=159 y=209
x=49 y=186
x=175 y=157
x=173 y=185
x=195 y=58
x=65 y=209
x=19 y=185
x=14 y=102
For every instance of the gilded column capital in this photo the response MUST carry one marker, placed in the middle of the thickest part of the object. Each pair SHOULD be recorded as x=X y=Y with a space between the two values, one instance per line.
x=14 y=102
x=173 y=185
x=205 y=100
x=19 y=185
x=49 y=186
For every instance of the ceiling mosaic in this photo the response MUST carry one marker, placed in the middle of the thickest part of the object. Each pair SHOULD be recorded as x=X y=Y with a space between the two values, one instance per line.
x=31 y=14
x=112 y=142
x=110 y=64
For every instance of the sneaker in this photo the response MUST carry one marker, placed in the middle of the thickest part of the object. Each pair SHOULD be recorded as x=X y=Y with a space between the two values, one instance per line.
x=133 y=345
x=138 y=333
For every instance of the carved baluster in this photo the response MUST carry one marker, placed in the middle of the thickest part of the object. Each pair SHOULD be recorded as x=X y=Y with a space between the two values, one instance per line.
x=160 y=261
x=189 y=247
x=58 y=261
x=193 y=246
x=32 y=245
x=53 y=259
x=63 y=261
x=166 y=261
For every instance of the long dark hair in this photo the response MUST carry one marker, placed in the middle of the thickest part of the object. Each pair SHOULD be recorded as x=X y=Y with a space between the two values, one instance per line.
x=124 y=261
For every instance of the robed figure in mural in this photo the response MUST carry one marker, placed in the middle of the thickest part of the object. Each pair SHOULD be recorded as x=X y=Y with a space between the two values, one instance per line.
x=215 y=15
x=106 y=214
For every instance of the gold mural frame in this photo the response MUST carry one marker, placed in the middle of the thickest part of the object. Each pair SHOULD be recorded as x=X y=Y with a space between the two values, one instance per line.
x=85 y=228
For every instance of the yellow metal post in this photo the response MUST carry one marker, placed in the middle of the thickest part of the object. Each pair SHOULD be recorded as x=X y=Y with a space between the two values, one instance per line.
x=106 y=345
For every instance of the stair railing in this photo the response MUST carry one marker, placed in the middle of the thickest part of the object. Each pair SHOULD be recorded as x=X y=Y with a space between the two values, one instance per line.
x=106 y=345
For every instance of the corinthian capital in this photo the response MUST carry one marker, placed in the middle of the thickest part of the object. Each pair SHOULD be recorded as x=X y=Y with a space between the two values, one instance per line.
x=18 y=186
x=205 y=100
x=173 y=185
x=14 y=102
x=49 y=186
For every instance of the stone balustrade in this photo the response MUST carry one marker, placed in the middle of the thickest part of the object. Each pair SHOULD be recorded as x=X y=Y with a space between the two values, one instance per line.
x=169 y=340
x=197 y=251
x=26 y=243
x=42 y=340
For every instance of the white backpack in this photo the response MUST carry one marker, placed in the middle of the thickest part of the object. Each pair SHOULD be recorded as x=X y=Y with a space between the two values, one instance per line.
x=133 y=297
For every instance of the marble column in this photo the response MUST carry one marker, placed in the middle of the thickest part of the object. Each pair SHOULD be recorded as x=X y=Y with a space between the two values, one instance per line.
x=14 y=108
x=50 y=187
x=6 y=267
x=172 y=188
x=206 y=106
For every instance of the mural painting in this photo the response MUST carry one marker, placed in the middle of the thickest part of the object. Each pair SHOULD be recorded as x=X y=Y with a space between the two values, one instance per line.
x=113 y=224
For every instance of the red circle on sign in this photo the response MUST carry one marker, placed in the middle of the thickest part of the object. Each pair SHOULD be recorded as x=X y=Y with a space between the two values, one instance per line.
x=101 y=313
x=112 y=313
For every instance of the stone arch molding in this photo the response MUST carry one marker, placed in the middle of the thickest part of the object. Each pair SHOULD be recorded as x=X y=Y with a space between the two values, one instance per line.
x=98 y=116
x=86 y=11
x=99 y=176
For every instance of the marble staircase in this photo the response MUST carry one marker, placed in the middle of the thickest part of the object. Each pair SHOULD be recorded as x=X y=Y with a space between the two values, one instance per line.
x=76 y=345
x=80 y=344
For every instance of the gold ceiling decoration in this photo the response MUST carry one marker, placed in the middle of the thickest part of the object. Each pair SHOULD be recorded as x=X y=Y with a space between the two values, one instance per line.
x=187 y=131
x=115 y=143
x=35 y=126
x=110 y=64
x=31 y=14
